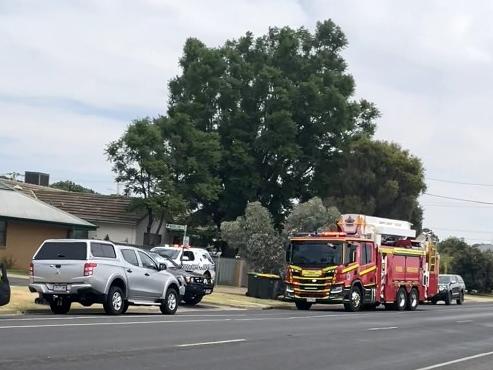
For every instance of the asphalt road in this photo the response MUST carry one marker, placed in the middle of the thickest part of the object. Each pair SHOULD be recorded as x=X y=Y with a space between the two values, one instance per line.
x=326 y=338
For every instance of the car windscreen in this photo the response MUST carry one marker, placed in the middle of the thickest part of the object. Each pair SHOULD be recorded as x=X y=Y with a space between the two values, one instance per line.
x=171 y=253
x=444 y=279
x=316 y=254
x=62 y=251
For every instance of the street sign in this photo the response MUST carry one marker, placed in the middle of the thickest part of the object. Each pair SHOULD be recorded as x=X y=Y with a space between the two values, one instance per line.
x=176 y=227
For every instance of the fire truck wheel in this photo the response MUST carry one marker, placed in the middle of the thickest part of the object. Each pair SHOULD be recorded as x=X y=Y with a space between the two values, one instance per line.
x=303 y=305
x=354 y=303
x=401 y=299
x=412 y=301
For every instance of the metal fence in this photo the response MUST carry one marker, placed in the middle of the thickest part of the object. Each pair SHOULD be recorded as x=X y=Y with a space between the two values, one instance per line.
x=231 y=271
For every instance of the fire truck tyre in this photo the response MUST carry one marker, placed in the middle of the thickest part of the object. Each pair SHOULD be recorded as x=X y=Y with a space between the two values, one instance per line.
x=448 y=298
x=460 y=300
x=303 y=305
x=354 y=303
x=412 y=300
x=60 y=306
x=401 y=300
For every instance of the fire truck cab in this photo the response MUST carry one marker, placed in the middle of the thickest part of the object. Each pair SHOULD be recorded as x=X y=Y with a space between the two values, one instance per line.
x=369 y=261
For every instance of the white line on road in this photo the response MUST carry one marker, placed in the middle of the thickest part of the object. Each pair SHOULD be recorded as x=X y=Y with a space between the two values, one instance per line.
x=384 y=328
x=479 y=355
x=103 y=317
x=209 y=343
x=463 y=321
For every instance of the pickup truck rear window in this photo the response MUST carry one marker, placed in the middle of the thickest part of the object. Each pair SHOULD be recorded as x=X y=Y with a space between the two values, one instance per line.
x=62 y=251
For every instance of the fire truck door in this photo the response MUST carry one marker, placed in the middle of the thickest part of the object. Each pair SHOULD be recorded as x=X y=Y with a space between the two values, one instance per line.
x=367 y=270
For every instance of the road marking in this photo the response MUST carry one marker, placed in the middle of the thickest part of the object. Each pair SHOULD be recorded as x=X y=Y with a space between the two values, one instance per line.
x=463 y=321
x=209 y=343
x=459 y=360
x=104 y=317
x=384 y=328
x=108 y=323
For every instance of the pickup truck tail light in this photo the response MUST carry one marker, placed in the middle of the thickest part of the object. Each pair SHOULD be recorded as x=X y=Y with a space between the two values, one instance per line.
x=31 y=269
x=89 y=268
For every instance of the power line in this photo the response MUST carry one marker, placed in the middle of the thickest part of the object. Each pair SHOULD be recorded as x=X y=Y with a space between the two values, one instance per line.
x=459 y=199
x=459 y=182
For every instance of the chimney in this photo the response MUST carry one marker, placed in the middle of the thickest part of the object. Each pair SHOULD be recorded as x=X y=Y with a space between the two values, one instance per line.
x=37 y=178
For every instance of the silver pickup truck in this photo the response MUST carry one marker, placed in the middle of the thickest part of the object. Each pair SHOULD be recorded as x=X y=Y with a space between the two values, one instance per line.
x=94 y=271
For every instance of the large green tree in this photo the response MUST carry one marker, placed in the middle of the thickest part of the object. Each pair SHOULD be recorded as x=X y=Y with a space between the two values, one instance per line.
x=309 y=216
x=141 y=162
x=262 y=118
x=376 y=178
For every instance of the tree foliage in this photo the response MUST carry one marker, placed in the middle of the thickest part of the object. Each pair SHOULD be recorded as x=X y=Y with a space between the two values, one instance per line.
x=310 y=216
x=68 y=185
x=255 y=238
x=475 y=266
x=262 y=119
x=377 y=178
x=141 y=162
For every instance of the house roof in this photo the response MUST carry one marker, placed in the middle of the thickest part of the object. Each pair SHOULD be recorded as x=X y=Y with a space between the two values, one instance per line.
x=27 y=188
x=19 y=206
x=92 y=207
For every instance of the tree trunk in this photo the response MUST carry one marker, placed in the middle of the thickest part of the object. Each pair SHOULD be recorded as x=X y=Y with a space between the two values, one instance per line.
x=150 y=220
x=160 y=223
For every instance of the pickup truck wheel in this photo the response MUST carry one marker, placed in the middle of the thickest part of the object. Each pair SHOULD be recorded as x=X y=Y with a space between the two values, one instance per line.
x=193 y=300
x=170 y=304
x=448 y=298
x=355 y=300
x=460 y=300
x=114 y=303
x=60 y=306
x=412 y=300
x=401 y=299
x=303 y=305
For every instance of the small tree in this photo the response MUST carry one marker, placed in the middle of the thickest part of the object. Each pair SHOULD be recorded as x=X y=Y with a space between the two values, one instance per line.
x=255 y=238
x=141 y=162
x=310 y=216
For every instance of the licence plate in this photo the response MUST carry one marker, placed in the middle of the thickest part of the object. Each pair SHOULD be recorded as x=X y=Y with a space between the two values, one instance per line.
x=59 y=288
x=208 y=291
x=311 y=300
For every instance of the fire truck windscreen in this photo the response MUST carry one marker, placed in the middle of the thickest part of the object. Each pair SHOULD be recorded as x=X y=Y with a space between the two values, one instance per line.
x=309 y=253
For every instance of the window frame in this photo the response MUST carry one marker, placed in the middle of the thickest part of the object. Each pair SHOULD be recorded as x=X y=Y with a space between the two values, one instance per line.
x=154 y=264
x=99 y=244
x=135 y=255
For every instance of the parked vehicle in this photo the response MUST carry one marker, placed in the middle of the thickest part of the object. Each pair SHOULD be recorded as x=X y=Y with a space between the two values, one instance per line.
x=196 y=286
x=4 y=286
x=93 y=271
x=450 y=287
x=368 y=262
x=197 y=260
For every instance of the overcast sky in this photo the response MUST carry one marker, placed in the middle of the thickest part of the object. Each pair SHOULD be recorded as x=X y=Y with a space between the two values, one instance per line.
x=73 y=74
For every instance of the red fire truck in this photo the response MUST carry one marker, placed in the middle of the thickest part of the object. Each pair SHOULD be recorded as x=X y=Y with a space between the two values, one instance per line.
x=369 y=261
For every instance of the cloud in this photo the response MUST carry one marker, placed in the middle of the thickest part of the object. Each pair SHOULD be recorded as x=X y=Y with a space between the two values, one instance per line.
x=74 y=74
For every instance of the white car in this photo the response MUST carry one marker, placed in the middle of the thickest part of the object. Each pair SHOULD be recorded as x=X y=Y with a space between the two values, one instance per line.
x=195 y=260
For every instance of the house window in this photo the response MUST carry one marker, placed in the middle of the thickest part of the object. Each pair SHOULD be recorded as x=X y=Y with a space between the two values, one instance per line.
x=3 y=234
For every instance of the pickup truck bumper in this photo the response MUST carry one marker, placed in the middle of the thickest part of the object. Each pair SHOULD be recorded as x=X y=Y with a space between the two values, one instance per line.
x=72 y=288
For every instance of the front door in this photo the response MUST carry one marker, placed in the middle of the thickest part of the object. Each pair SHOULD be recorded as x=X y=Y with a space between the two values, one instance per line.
x=152 y=280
